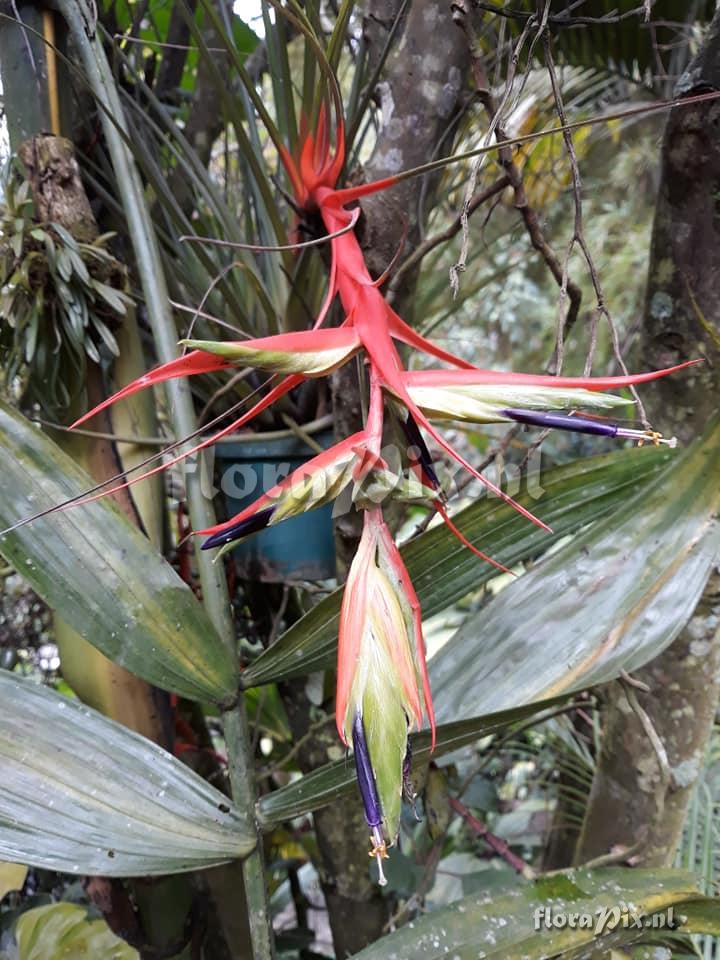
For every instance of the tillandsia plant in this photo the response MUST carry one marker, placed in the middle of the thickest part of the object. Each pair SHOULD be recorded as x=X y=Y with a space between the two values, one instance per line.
x=60 y=300
x=383 y=690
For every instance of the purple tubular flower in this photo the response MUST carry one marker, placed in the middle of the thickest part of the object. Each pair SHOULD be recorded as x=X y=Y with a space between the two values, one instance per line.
x=415 y=438
x=257 y=522
x=365 y=775
x=369 y=793
x=562 y=421
x=599 y=428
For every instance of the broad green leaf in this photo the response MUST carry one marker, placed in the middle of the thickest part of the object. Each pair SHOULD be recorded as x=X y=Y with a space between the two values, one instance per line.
x=702 y=916
x=61 y=931
x=442 y=570
x=334 y=780
x=619 y=907
x=245 y=37
x=82 y=794
x=609 y=600
x=101 y=575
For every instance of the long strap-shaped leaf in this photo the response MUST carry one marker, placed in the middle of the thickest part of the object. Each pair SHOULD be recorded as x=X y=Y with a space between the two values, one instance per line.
x=610 y=600
x=443 y=570
x=82 y=794
x=621 y=906
x=333 y=780
x=101 y=575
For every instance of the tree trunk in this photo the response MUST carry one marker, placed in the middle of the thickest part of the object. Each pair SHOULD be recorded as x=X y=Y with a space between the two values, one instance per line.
x=420 y=93
x=416 y=118
x=634 y=799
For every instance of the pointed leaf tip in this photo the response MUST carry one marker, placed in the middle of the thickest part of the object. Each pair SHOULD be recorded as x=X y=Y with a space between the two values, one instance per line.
x=188 y=365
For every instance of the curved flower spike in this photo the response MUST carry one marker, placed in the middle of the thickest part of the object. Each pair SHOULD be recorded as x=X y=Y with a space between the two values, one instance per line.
x=186 y=366
x=489 y=396
x=488 y=403
x=313 y=484
x=381 y=665
x=314 y=353
x=317 y=482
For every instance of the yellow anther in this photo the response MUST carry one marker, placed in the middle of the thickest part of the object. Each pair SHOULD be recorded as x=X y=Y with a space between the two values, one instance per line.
x=646 y=436
x=379 y=850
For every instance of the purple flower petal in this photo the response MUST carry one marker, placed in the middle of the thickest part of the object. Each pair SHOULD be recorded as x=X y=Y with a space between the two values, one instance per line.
x=424 y=457
x=371 y=800
x=365 y=775
x=257 y=522
x=563 y=421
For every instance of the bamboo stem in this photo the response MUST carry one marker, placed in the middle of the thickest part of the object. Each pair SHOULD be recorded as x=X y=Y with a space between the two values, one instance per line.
x=214 y=588
x=52 y=73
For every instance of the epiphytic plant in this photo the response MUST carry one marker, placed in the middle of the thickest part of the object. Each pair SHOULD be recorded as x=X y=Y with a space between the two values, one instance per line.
x=383 y=688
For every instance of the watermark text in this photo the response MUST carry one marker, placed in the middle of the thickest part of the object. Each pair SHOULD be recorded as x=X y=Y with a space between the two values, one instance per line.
x=622 y=916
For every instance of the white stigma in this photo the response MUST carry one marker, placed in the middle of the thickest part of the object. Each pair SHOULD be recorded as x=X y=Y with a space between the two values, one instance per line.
x=647 y=436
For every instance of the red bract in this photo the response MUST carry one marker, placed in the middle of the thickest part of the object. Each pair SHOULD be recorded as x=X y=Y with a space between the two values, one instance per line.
x=186 y=366
x=476 y=377
x=313 y=484
x=383 y=685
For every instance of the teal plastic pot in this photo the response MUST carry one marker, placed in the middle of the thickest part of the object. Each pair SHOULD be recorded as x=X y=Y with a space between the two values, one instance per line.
x=302 y=548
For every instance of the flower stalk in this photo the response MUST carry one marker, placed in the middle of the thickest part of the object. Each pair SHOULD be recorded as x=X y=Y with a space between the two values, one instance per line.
x=214 y=587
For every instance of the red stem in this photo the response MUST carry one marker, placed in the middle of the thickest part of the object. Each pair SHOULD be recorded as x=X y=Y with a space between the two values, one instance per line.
x=374 y=424
x=481 y=829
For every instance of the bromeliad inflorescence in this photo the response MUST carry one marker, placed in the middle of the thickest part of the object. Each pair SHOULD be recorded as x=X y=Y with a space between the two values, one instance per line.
x=382 y=682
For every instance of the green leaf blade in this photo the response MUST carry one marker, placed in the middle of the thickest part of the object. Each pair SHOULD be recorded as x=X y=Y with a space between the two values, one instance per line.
x=82 y=794
x=443 y=570
x=101 y=575
x=511 y=924
x=606 y=602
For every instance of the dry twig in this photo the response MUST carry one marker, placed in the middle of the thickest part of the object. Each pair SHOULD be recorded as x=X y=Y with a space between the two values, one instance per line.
x=513 y=174
x=578 y=238
x=565 y=20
